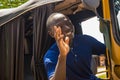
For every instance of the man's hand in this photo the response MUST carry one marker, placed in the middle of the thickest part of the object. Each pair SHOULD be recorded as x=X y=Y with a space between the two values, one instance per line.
x=63 y=43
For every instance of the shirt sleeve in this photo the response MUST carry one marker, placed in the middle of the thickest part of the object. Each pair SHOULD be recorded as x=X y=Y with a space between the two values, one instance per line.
x=50 y=60
x=97 y=47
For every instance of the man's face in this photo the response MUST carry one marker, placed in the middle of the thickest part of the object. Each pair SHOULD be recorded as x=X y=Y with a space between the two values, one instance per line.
x=67 y=28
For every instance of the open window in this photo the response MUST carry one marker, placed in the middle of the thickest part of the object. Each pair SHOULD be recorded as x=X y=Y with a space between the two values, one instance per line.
x=98 y=65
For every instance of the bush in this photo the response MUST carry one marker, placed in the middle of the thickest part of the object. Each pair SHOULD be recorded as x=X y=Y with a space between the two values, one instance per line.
x=11 y=3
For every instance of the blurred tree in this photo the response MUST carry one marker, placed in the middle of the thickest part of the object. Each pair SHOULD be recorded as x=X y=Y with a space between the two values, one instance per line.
x=11 y=3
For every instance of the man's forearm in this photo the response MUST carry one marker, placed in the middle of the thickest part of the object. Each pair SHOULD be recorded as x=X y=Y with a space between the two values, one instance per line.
x=60 y=70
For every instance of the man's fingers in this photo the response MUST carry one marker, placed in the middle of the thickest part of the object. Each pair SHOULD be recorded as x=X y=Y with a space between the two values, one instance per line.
x=60 y=38
x=59 y=30
x=60 y=41
x=67 y=40
x=57 y=33
x=55 y=27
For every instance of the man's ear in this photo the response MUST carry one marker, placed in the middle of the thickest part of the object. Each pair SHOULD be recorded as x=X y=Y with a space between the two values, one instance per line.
x=51 y=34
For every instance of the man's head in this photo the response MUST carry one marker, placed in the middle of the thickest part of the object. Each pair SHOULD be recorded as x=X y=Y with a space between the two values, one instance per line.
x=62 y=21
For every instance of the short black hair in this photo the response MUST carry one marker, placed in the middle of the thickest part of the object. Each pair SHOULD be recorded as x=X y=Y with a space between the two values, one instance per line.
x=58 y=19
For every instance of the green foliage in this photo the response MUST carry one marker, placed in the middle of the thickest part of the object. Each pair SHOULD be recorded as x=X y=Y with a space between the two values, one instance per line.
x=11 y=3
x=102 y=76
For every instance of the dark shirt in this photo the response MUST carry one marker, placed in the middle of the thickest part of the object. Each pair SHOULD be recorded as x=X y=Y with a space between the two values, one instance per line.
x=78 y=65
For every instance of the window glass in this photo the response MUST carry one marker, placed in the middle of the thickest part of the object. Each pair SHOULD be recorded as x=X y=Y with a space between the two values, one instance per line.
x=118 y=17
x=117 y=10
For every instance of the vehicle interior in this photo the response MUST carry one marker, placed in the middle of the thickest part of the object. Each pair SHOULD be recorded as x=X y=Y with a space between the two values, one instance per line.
x=24 y=38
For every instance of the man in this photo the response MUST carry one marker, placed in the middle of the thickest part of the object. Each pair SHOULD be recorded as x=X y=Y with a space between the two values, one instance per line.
x=70 y=57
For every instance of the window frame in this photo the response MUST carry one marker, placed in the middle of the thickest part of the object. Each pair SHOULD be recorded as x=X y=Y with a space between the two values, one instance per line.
x=115 y=25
